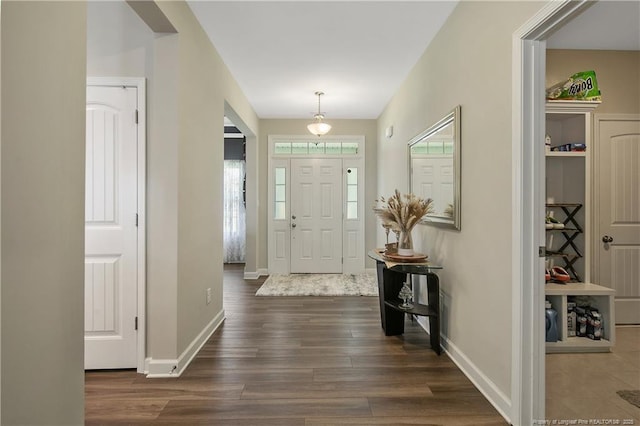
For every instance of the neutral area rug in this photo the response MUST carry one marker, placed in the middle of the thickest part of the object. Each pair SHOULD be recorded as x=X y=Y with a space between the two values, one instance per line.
x=631 y=396
x=319 y=285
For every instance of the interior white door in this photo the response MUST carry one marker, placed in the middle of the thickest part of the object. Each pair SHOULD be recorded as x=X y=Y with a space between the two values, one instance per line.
x=618 y=201
x=316 y=215
x=110 y=228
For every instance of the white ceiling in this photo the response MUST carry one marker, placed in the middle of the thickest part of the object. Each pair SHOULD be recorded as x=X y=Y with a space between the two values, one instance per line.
x=358 y=52
x=607 y=25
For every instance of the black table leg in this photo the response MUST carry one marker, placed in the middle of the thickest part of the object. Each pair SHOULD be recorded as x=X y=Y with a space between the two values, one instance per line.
x=433 y=293
x=393 y=319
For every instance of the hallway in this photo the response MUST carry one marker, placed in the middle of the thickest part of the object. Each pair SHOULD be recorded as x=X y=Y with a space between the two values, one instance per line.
x=296 y=361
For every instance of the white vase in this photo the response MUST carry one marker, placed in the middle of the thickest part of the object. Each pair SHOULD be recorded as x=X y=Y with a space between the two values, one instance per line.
x=405 y=252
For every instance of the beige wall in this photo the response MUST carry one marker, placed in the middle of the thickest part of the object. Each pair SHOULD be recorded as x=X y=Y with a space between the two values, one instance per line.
x=43 y=132
x=204 y=85
x=44 y=57
x=299 y=127
x=468 y=63
x=617 y=72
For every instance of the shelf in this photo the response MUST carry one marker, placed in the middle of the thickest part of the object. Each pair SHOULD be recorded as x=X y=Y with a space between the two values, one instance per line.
x=600 y=298
x=418 y=309
x=566 y=154
x=571 y=106
x=563 y=205
x=579 y=344
x=563 y=230
x=563 y=255
x=577 y=289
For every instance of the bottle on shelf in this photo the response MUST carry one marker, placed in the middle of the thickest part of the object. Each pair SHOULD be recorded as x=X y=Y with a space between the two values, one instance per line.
x=551 y=317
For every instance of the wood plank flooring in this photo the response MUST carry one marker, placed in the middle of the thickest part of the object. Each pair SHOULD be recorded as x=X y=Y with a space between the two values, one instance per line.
x=297 y=361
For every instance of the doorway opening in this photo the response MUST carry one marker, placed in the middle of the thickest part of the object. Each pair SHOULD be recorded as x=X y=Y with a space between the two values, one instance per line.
x=528 y=350
x=245 y=148
x=234 y=195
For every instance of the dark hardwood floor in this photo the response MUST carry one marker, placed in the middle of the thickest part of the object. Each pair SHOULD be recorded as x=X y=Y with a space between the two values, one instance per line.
x=297 y=361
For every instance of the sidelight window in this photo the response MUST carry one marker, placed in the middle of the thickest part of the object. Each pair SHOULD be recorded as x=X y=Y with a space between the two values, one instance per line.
x=280 y=198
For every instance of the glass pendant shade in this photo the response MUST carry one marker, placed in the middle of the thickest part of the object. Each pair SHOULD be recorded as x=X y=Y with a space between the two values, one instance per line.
x=319 y=127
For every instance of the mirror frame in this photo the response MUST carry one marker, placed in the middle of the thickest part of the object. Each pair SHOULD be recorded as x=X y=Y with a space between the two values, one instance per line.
x=452 y=117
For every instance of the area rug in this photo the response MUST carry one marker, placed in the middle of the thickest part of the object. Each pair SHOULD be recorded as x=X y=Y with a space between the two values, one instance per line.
x=631 y=396
x=319 y=285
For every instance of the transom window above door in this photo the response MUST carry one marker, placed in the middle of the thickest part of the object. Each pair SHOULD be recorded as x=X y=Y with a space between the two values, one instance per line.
x=313 y=147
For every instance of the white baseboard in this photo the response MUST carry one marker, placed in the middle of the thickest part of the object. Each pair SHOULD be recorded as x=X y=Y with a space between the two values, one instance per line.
x=495 y=396
x=157 y=368
x=371 y=271
x=255 y=275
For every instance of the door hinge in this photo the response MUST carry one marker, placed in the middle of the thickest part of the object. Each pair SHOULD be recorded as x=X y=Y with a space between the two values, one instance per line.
x=135 y=324
x=136 y=220
x=136 y=116
x=542 y=251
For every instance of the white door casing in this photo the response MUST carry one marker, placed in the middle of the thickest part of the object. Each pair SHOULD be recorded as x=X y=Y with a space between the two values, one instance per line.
x=316 y=215
x=528 y=87
x=280 y=198
x=112 y=225
x=617 y=206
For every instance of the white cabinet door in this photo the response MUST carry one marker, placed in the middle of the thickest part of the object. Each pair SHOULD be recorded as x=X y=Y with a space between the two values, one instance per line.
x=618 y=204
x=316 y=215
x=110 y=228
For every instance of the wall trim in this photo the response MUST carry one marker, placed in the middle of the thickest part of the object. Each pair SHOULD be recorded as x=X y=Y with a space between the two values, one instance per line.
x=163 y=368
x=488 y=388
x=255 y=275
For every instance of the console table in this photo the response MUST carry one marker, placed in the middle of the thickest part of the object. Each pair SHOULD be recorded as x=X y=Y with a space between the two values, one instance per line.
x=391 y=276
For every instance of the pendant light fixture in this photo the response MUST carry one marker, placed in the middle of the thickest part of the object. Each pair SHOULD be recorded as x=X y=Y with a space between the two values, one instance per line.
x=319 y=127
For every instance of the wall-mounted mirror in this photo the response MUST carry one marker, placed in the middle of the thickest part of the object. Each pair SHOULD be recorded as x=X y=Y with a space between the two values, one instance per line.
x=434 y=169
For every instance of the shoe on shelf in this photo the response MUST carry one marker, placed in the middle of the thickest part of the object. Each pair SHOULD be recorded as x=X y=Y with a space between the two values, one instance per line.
x=547 y=275
x=548 y=224
x=554 y=223
x=559 y=274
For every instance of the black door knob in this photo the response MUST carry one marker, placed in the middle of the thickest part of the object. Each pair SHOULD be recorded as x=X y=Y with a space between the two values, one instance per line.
x=607 y=239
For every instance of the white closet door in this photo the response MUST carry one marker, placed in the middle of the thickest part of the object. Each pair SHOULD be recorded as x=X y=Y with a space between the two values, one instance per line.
x=110 y=228
x=618 y=203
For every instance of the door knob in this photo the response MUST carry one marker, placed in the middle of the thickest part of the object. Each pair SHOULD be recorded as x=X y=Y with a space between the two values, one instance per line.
x=607 y=239
x=293 y=225
x=293 y=217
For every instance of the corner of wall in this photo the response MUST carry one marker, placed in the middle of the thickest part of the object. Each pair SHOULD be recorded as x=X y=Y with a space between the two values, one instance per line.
x=173 y=368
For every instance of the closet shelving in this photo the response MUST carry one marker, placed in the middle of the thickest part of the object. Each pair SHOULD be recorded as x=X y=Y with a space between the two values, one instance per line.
x=568 y=199
x=568 y=250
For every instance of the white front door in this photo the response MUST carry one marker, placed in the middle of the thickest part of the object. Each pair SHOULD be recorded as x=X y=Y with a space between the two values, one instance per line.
x=618 y=204
x=433 y=178
x=110 y=228
x=316 y=215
